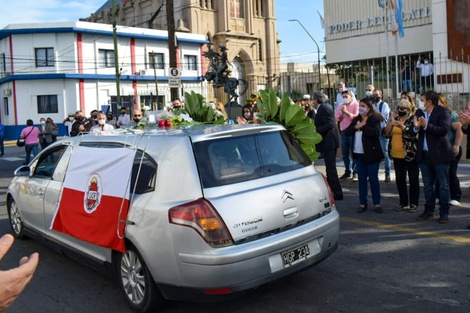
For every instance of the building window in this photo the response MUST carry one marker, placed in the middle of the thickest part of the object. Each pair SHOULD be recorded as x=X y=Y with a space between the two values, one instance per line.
x=48 y=104
x=206 y=4
x=190 y=62
x=236 y=8
x=6 y=110
x=260 y=49
x=106 y=58
x=156 y=60
x=4 y=62
x=44 y=57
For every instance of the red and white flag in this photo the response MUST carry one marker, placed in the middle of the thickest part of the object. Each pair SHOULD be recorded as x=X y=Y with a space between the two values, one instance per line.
x=95 y=197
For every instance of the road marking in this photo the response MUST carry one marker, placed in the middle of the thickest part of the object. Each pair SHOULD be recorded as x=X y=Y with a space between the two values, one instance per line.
x=406 y=229
x=11 y=159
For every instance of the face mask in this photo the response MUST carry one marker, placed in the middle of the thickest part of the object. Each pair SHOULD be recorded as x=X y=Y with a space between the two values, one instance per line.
x=401 y=112
x=362 y=110
x=43 y=122
x=376 y=99
x=247 y=115
x=426 y=62
x=101 y=121
x=94 y=117
x=421 y=104
x=346 y=100
x=123 y=113
x=71 y=119
x=137 y=120
x=368 y=93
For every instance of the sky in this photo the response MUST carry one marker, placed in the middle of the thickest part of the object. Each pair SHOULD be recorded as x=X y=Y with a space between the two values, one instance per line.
x=296 y=45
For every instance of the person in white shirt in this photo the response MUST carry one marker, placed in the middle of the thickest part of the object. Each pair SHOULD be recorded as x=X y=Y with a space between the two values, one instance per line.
x=68 y=122
x=427 y=74
x=101 y=127
x=123 y=119
x=339 y=96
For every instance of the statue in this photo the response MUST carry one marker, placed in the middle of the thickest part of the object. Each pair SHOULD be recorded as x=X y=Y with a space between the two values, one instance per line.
x=219 y=74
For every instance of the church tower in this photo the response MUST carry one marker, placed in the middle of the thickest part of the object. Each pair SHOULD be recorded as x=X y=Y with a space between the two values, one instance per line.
x=247 y=28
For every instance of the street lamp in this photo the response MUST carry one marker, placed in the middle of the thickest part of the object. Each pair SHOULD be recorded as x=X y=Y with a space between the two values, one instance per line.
x=318 y=50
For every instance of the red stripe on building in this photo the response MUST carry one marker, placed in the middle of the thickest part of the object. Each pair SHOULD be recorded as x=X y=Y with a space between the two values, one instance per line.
x=178 y=59
x=133 y=71
x=81 y=82
x=12 y=71
x=203 y=61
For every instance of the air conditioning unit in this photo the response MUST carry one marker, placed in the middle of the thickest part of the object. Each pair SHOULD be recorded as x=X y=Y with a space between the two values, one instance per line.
x=6 y=92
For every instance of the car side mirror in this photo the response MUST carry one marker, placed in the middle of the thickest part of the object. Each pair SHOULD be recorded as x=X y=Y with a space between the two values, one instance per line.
x=23 y=170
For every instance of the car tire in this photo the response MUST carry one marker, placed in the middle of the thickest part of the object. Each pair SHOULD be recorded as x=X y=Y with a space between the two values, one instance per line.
x=16 y=222
x=136 y=282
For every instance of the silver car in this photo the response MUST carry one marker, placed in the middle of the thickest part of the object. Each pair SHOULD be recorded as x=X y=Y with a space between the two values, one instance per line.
x=214 y=210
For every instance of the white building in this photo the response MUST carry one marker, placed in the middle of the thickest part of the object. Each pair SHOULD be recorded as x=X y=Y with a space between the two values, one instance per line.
x=52 y=69
x=358 y=42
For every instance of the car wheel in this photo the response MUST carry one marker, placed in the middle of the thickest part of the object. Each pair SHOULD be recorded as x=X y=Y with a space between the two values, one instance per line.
x=136 y=282
x=16 y=222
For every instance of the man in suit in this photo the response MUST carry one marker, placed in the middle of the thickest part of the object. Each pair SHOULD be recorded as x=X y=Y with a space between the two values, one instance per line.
x=434 y=152
x=326 y=126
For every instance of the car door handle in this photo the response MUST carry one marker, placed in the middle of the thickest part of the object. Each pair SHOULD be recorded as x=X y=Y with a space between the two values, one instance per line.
x=40 y=191
x=290 y=213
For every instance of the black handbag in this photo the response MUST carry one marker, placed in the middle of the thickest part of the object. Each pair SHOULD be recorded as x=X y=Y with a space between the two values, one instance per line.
x=22 y=141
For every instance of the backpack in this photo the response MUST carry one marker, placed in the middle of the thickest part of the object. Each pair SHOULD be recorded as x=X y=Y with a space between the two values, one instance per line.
x=381 y=105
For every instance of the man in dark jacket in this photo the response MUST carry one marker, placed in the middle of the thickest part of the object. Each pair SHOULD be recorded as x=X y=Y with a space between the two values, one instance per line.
x=326 y=126
x=434 y=152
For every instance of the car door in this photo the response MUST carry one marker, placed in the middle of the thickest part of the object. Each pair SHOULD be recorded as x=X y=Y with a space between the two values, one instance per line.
x=51 y=202
x=34 y=188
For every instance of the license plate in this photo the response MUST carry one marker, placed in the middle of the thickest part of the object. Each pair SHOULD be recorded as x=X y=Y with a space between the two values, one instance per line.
x=294 y=256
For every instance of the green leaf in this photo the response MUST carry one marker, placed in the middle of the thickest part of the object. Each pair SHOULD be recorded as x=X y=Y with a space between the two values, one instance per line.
x=294 y=115
x=285 y=104
x=273 y=107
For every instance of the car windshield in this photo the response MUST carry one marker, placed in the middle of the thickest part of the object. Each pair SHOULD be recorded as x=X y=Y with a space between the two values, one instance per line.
x=237 y=159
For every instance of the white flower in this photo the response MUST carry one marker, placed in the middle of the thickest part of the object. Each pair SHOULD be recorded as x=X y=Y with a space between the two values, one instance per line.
x=186 y=117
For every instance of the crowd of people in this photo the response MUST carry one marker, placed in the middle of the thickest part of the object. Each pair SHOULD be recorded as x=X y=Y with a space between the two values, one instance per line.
x=425 y=139
x=367 y=131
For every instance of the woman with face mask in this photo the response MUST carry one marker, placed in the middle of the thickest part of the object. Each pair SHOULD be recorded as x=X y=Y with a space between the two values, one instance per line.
x=247 y=115
x=45 y=133
x=367 y=152
x=403 y=145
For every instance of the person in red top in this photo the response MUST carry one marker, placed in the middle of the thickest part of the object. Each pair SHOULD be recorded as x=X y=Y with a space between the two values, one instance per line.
x=30 y=134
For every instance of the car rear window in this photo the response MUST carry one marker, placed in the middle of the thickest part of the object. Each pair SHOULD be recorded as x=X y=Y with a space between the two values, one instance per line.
x=237 y=159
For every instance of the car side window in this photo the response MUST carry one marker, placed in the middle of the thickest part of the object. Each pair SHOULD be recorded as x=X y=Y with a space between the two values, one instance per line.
x=146 y=174
x=47 y=163
x=144 y=168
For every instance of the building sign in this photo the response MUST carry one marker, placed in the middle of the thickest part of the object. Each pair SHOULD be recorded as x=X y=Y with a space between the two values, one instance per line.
x=174 y=79
x=378 y=21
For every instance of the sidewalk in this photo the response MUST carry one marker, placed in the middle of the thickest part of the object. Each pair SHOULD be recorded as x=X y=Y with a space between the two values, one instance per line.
x=389 y=190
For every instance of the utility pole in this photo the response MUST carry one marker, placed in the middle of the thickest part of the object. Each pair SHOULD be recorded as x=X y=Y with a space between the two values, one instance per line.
x=116 y=57
x=156 y=81
x=171 y=41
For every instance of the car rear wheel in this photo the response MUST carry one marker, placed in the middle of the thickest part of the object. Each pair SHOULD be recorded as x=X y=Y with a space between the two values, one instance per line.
x=16 y=222
x=137 y=283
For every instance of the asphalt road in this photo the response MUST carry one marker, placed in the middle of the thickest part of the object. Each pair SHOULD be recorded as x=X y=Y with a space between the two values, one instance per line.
x=385 y=263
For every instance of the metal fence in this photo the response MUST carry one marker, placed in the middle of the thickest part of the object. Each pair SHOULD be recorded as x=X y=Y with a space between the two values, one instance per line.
x=451 y=77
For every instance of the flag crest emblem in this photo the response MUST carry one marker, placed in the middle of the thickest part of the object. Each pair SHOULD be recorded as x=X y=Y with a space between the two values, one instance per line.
x=93 y=194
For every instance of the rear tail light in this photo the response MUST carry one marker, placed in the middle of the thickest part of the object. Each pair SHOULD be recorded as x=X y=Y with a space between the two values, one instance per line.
x=201 y=216
x=330 y=193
